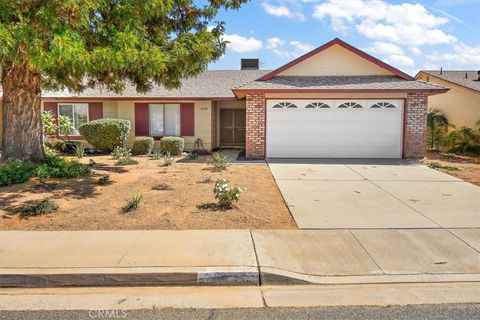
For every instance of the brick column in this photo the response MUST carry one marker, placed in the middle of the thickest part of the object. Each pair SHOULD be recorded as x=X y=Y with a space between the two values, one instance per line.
x=255 y=126
x=415 y=125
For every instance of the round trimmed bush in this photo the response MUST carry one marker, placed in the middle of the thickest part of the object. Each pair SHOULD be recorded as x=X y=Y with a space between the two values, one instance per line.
x=142 y=145
x=172 y=145
x=105 y=134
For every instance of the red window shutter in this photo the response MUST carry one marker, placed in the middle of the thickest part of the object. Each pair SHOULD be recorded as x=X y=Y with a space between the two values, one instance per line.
x=52 y=107
x=187 y=119
x=95 y=111
x=141 y=119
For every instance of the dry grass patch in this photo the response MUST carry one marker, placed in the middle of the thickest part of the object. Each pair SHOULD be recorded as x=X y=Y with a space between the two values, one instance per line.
x=463 y=167
x=84 y=204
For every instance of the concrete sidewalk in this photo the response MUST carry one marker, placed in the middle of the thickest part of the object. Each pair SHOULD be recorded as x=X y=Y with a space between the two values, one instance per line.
x=238 y=257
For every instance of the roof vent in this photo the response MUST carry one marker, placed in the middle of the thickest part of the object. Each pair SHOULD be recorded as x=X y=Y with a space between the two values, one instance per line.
x=250 y=64
x=478 y=73
x=466 y=75
x=441 y=70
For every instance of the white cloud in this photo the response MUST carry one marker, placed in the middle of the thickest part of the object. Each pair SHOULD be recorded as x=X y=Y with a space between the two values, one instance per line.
x=379 y=47
x=282 y=11
x=273 y=43
x=461 y=54
x=301 y=47
x=287 y=50
x=403 y=23
x=238 y=43
x=400 y=60
x=415 y=51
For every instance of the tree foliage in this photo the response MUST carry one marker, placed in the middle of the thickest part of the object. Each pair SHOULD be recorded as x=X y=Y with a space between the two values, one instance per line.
x=437 y=126
x=76 y=44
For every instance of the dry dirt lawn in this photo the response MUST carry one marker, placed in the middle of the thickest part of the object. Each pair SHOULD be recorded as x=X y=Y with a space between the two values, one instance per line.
x=85 y=205
x=468 y=168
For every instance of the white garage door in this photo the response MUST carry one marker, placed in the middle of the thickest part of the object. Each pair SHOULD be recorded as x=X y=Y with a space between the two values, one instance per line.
x=334 y=128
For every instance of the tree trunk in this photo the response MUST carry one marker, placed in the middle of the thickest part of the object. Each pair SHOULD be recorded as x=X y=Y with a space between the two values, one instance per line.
x=22 y=131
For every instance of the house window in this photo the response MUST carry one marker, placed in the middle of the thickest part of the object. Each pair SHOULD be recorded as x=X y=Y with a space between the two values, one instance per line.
x=320 y=105
x=350 y=105
x=387 y=105
x=164 y=119
x=284 y=105
x=77 y=112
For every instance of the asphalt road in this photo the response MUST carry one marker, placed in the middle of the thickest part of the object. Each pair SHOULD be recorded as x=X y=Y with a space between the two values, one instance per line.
x=424 y=312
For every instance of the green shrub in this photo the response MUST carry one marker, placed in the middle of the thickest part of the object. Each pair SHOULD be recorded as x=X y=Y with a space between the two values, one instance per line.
x=132 y=203
x=16 y=171
x=157 y=154
x=225 y=194
x=172 y=145
x=120 y=152
x=126 y=161
x=218 y=161
x=44 y=206
x=464 y=141
x=57 y=167
x=105 y=134
x=57 y=145
x=142 y=145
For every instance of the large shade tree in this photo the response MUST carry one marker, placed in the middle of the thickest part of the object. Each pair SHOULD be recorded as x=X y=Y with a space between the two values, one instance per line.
x=75 y=44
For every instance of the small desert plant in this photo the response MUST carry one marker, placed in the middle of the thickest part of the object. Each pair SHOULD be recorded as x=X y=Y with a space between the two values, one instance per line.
x=104 y=180
x=44 y=206
x=120 y=152
x=168 y=160
x=218 y=161
x=126 y=161
x=206 y=179
x=193 y=156
x=79 y=149
x=436 y=165
x=464 y=141
x=132 y=203
x=225 y=194
x=162 y=186
x=142 y=145
x=157 y=154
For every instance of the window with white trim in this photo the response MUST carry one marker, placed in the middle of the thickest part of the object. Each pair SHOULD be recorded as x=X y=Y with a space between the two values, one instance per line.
x=77 y=112
x=164 y=119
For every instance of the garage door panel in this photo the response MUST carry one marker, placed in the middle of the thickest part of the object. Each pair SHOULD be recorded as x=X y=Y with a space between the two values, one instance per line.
x=348 y=133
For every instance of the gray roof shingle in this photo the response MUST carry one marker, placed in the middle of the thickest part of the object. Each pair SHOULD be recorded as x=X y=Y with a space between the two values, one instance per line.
x=339 y=83
x=458 y=77
x=210 y=84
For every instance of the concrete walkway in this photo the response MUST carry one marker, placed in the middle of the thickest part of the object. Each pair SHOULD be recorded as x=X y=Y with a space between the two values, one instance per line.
x=237 y=257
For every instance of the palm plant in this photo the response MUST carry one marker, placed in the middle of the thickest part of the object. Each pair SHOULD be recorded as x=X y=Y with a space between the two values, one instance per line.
x=464 y=140
x=437 y=126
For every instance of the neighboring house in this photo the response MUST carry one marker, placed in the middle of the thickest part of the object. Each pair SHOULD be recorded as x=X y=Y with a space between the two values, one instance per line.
x=461 y=104
x=335 y=101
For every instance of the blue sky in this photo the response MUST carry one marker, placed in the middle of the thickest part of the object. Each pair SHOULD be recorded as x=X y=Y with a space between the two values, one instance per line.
x=410 y=35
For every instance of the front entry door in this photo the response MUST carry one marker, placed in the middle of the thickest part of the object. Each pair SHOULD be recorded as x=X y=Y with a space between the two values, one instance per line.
x=232 y=127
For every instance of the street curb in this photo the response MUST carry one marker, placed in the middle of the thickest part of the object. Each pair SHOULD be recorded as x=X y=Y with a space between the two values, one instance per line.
x=273 y=276
x=118 y=277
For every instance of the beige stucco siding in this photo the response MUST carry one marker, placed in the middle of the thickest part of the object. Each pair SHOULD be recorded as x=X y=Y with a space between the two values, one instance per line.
x=335 y=61
x=461 y=105
x=126 y=110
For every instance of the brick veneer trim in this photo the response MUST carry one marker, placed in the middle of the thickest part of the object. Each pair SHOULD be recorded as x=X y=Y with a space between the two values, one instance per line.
x=255 y=125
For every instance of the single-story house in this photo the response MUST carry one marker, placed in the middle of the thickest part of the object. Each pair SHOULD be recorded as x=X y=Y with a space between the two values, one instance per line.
x=461 y=104
x=335 y=101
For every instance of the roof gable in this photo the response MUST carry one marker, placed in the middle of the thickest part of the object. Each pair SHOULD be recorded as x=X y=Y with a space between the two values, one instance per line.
x=336 y=58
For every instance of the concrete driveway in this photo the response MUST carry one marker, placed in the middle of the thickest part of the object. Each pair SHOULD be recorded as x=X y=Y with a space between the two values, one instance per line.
x=359 y=194
x=372 y=221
